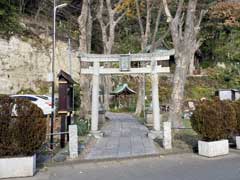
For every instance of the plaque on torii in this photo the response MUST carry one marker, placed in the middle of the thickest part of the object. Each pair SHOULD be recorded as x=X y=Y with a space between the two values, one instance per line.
x=124 y=60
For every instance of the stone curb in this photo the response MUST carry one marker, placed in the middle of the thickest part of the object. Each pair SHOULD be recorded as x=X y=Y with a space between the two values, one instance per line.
x=236 y=151
x=158 y=155
x=86 y=161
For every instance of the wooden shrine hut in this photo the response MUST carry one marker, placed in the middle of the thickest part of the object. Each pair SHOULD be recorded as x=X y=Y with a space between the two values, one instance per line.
x=122 y=91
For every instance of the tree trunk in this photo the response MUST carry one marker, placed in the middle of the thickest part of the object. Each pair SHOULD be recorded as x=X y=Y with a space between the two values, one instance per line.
x=184 y=33
x=177 y=96
x=107 y=80
x=108 y=38
x=145 y=35
x=85 y=27
x=191 y=67
x=140 y=97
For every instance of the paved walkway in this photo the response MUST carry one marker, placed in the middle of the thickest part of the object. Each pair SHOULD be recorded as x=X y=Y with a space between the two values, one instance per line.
x=124 y=136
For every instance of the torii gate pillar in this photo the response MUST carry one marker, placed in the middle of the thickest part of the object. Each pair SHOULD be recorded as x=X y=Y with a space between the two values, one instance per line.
x=156 y=132
x=95 y=101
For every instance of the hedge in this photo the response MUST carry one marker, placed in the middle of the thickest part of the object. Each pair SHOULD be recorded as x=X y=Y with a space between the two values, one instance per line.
x=22 y=127
x=236 y=105
x=214 y=120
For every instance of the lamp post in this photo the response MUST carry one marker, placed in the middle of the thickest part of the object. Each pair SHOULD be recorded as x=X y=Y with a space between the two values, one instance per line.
x=53 y=65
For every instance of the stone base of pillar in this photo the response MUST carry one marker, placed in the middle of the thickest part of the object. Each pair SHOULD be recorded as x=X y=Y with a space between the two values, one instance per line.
x=96 y=134
x=155 y=134
x=149 y=120
x=101 y=118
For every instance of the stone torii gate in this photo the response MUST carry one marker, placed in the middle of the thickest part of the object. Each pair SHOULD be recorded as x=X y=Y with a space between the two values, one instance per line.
x=151 y=67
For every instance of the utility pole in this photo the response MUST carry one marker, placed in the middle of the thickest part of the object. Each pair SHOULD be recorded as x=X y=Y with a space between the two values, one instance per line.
x=53 y=71
x=53 y=67
x=70 y=55
x=70 y=68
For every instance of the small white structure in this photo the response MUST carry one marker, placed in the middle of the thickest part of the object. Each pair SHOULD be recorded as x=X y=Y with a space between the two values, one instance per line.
x=213 y=148
x=167 y=135
x=224 y=94
x=17 y=167
x=73 y=141
x=238 y=142
x=228 y=94
x=236 y=94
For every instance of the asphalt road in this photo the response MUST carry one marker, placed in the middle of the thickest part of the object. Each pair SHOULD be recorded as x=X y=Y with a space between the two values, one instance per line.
x=172 y=167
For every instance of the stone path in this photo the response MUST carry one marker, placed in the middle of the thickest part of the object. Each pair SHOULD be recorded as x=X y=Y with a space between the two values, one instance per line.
x=124 y=136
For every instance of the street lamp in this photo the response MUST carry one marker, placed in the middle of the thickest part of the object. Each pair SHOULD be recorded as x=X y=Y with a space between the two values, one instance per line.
x=53 y=67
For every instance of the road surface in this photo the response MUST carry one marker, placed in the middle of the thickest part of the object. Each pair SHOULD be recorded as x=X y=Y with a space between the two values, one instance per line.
x=171 y=167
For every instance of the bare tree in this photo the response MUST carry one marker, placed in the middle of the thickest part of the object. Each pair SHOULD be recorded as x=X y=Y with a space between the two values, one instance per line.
x=184 y=31
x=42 y=4
x=85 y=28
x=21 y=6
x=109 y=17
x=145 y=31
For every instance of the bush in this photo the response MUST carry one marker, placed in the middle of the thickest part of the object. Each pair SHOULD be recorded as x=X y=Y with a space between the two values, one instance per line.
x=214 y=120
x=236 y=106
x=82 y=126
x=26 y=91
x=22 y=127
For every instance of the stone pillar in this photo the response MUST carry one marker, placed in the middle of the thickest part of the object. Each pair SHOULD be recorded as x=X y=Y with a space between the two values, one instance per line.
x=95 y=101
x=167 y=135
x=155 y=133
x=155 y=102
x=73 y=141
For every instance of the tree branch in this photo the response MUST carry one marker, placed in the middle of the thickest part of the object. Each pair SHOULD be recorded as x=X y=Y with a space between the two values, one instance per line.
x=148 y=19
x=179 y=9
x=153 y=47
x=180 y=28
x=202 y=14
x=139 y=18
x=160 y=41
x=167 y=11
x=120 y=17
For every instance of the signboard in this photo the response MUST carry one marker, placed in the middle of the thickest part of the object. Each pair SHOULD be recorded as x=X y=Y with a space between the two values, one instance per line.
x=124 y=63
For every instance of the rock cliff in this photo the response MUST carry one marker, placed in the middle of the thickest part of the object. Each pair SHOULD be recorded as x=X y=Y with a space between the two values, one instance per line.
x=25 y=66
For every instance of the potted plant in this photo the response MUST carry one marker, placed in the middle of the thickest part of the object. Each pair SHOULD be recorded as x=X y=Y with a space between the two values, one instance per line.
x=22 y=132
x=214 y=121
x=236 y=106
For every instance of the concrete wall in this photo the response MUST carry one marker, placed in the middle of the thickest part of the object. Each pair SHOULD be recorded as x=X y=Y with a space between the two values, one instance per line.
x=213 y=148
x=23 y=65
x=17 y=167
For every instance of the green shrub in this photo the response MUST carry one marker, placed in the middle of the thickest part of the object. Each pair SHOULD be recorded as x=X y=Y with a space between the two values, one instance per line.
x=22 y=127
x=9 y=19
x=83 y=127
x=197 y=92
x=214 y=120
x=26 y=91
